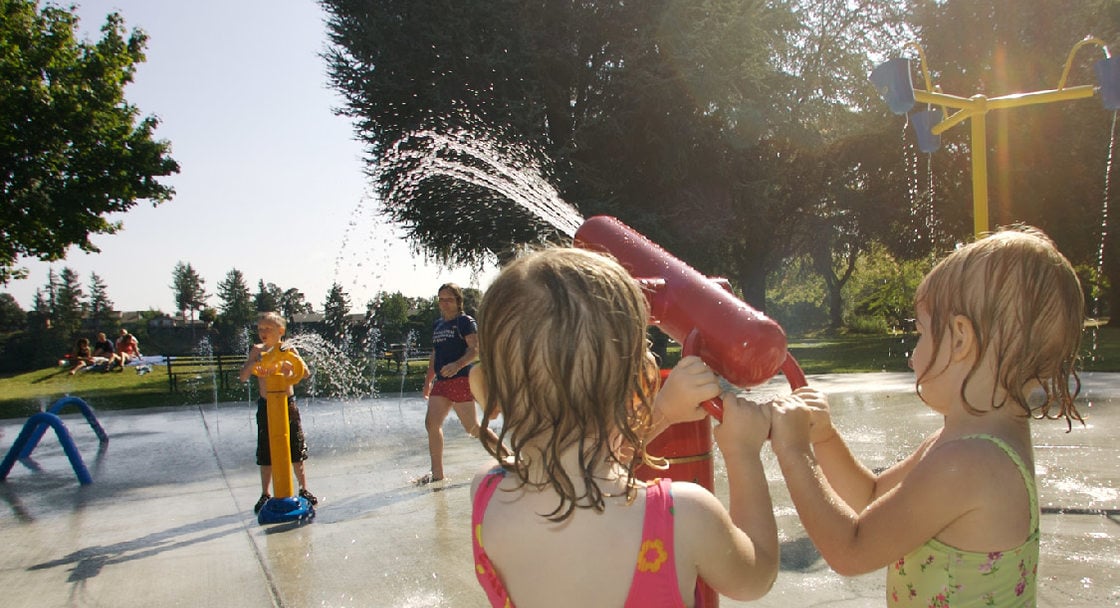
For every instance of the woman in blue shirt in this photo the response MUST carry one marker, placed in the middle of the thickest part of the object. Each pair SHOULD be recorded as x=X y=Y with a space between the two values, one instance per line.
x=446 y=386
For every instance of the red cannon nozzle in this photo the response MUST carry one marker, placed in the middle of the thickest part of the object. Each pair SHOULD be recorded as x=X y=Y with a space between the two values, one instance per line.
x=739 y=343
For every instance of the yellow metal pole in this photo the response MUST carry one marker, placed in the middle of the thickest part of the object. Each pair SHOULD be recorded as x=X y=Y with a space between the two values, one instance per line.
x=277 y=378
x=279 y=436
x=979 y=169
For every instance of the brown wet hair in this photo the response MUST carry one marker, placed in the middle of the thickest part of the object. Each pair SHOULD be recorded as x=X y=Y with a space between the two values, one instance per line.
x=565 y=359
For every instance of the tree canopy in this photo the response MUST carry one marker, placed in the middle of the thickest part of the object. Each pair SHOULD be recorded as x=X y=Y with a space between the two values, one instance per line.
x=72 y=149
x=1047 y=163
x=735 y=134
x=687 y=120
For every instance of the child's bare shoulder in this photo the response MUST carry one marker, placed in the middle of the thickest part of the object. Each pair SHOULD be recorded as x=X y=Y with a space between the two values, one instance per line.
x=966 y=466
x=479 y=475
x=693 y=501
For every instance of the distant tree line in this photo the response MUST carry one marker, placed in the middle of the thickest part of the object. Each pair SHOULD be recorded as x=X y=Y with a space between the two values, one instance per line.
x=64 y=310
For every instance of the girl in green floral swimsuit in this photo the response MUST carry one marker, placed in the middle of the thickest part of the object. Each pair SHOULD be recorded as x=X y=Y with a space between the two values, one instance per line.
x=956 y=522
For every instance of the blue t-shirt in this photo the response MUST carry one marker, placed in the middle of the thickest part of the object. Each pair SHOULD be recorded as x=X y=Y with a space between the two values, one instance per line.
x=449 y=342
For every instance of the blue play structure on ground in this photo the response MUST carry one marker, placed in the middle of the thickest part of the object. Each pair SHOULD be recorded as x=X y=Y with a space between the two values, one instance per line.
x=286 y=509
x=36 y=426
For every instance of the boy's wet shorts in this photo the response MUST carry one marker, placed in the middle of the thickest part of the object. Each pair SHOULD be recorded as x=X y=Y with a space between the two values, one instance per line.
x=457 y=389
x=295 y=431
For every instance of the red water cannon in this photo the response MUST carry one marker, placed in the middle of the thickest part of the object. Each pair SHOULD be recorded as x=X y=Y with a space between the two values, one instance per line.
x=739 y=343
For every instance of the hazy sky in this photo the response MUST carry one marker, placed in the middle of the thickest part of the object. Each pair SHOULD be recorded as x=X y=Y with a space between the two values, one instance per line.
x=271 y=180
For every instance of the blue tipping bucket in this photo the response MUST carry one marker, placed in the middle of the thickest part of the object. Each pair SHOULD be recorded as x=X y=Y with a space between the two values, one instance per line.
x=923 y=123
x=892 y=79
x=1108 y=77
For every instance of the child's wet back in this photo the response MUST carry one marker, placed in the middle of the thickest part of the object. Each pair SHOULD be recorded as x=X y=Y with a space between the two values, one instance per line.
x=564 y=521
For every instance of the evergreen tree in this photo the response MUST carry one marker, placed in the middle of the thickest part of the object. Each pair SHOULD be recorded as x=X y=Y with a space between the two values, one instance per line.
x=267 y=298
x=236 y=301
x=236 y=310
x=99 y=305
x=41 y=316
x=335 y=309
x=189 y=289
x=293 y=302
x=51 y=296
x=68 y=308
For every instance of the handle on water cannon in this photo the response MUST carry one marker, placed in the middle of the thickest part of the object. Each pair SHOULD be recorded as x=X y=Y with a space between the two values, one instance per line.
x=270 y=367
x=790 y=369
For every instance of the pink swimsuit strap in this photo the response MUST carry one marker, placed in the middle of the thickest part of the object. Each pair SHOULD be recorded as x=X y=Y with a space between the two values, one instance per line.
x=483 y=569
x=655 y=573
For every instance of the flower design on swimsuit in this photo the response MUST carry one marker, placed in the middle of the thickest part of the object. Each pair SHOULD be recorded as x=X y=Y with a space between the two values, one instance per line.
x=992 y=565
x=652 y=555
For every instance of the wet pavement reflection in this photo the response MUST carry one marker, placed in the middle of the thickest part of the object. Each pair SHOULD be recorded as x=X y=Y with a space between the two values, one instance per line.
x=168 y=519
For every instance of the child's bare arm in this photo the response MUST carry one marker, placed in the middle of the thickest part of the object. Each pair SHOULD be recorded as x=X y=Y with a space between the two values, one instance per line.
x=737 y=548
x=854 y=541
x=251 y=362
x=854 y=483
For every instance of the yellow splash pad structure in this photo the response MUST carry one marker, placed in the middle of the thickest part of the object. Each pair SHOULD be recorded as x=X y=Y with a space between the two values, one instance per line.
x=892 y=78
x=279 y=370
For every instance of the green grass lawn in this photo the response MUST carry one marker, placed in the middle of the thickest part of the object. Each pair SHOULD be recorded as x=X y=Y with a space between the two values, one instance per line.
x=24 y=394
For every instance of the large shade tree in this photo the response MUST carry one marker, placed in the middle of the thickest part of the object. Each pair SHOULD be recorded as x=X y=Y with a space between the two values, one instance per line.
x=72 y=149
x=625 y=108
x=688 y=120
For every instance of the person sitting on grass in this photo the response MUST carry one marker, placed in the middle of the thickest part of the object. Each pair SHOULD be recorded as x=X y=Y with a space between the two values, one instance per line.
x=82 y=356
x=103 y=347
x=128 y=348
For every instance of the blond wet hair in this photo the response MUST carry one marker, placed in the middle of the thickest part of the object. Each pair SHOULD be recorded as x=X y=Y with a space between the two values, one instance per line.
x=273 y=318
x=1026 y=307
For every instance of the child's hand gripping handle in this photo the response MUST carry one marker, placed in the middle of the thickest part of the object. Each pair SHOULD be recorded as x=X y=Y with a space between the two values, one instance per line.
x=790 y=369
x=280 y=368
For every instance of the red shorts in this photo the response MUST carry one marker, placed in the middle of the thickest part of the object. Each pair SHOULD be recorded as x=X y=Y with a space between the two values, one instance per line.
x=458 y=390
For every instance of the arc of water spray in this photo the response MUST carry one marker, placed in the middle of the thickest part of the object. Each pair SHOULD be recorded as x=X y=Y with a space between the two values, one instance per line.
x=520 y=181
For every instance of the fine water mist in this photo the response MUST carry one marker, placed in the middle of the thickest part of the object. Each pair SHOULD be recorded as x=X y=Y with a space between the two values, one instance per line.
x=472 y=157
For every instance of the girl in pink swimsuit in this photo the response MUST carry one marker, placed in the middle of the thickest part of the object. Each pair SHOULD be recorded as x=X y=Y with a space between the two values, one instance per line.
x=564 y=521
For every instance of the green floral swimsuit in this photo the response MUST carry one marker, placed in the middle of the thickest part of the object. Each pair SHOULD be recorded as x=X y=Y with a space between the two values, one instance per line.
x=938 y=575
